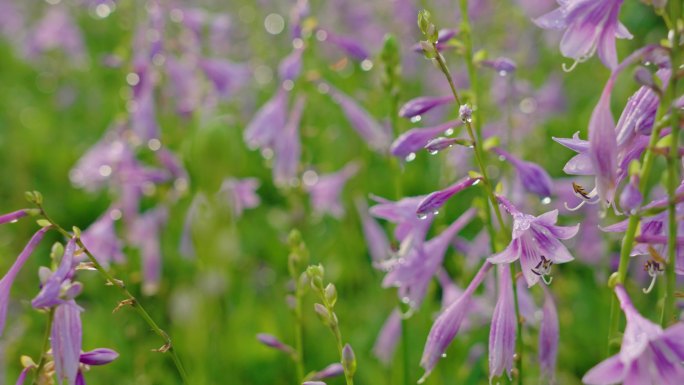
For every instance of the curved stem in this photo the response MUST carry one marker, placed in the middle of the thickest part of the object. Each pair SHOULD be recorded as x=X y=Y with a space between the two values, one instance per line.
x=130 y=300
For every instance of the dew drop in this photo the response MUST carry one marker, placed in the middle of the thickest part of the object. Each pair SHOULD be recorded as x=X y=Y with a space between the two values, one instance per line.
x=416 y=119
x=503 y=73
x=410 y=157
x=433 y=152
x=436 y=212
x=449 y=132
x=546 y=200
x=443 y=355
x=422 y=215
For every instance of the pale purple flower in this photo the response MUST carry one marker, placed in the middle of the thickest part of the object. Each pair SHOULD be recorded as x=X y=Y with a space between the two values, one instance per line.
x=56 y=30
x=8 y=278
x=99 y=356
x=95 y=168
x=54 y=283
x=412 y=273
x=65 y=339
x=603 y=151
x=589 y=25
x=145 y=234
x=184 y=84
x=273 y=342
x=532 y=176
x=288 y=147
x=268 y=122
x=535 y=242
x=549 y=335
x=291 y=66
x=415 y=139
x=448 y=324
x=326 y=192
x=101 y=239
x=226 y=76
x=240 y=194
x=442 y=143
x=376 y=239
x=648 y=355
x=465 y=112
x=503 y=327
x=143 y=118
x=186 y=246
x=409 y=230
x=434 y=201
x=420 y=105
x=376 y=136
x=502 y=65
x=348 y=45
x=332 y=370
x=386 y=343
x=298 y=13
x=631 y=198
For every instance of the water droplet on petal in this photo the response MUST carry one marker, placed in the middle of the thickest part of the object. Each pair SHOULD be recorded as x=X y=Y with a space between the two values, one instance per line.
x=443 y=355
x=422 y=215
x=546 y=200
x=416 y=119
x=449 y=132
x=410 y=157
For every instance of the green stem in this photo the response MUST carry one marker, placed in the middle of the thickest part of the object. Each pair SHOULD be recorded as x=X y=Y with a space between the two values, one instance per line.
x=46 y=344
x=669 y=310
x=299 y=328
x=130 y=299
x=405 y=350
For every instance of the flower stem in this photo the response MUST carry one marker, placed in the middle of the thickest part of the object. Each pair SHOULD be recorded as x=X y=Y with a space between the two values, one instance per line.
x=299 y=332
x=406 y=358
x=669 y=310
x=46 y=344
x=131 y=300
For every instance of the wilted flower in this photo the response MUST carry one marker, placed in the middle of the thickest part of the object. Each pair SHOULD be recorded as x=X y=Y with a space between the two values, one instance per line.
x=649 y=354
x=589 y=25
x=535 y=242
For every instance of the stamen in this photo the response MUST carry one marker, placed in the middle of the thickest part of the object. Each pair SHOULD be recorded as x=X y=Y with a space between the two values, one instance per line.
x=572 y=66
x=543 y=277
x=650 y=287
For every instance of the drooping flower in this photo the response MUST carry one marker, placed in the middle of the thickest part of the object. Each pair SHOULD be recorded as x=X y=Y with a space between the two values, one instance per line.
x=434 y=201
x=291 y=66
x=388 y=337
x=65 y=339
x=532 y=176
x=410 y=230
x=326 y=192
x=57 y=288
x=649 y=355
x=503 y=328
x=420 y=105
x=288 y=147
x=267 y=122
x=548 y=338
x=412 y=273
x=535 y=242
x=448 y=324
x=415 y=139
x=589 y=25
x=8 y=279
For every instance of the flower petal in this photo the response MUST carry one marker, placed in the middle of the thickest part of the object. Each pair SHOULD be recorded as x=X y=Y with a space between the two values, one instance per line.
x=609 y=371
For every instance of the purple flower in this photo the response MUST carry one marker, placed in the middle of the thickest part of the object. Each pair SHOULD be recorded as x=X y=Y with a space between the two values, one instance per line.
x=502 y=65
x=143 y=118
x=631 y=198
x=291 y=66
x=415 y=139
x=388 y=337
x=548 y=338
x=434 y=201
x=8 y=279
x=536 y=243
x=603 y=148
x=376 y=136
x=65 y=340
x=448 y=323
x=503 y=328
x=332 y=370
x=376 y=239
x=99 y=356
x=589 y=25
x=240 y=194
x=101 y=239
x=409 y=230
x=325 y=193
x=273 y=342
x=53 y=285
x=288 y=147
x=420 y=105
x=648 y=355
x=413 y=272
x=532 y=176
x=145 y=234
x=56 y=30
x=184 y=84
x=348 y=45
x=268 y=122
x=226 y=76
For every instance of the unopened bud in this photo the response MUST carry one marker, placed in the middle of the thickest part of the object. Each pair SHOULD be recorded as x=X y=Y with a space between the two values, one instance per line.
x=331 y=294
x=349 y=359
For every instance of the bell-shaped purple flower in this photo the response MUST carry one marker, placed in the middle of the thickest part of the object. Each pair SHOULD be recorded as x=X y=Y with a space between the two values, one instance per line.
x=226 y=76
x=548 y=338
x=535 y=242
x=268 y=122
x=415 y=139
x=348 y=45
x=376 y=136
x=99 y=356
x=589 y=25
x=502 y=330
x=532 y=176
x=101 y=239
x=288 y=147
x=8 y=279
x=631 y=198
x=388 y=337
x=420 y=105
x=502 y=65
x=51 y=293
x=184 y=84
x=448 y=324
x=413 y=272
x=376 y=239
x=326 y=192
x=434 y=201
x=291 y=66
x=65 y=339
x=145 y=234
x=648 y=355
x=410 y=230
x=603 y=149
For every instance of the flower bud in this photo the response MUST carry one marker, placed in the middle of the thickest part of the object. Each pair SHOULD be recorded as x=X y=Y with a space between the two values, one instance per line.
x=349 y=359
x=331 y=294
